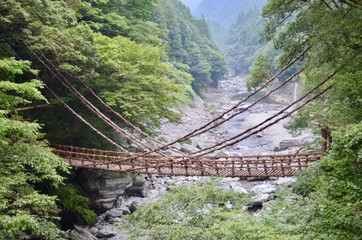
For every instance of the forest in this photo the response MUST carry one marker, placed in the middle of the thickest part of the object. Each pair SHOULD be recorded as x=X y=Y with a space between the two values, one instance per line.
x=144 y=58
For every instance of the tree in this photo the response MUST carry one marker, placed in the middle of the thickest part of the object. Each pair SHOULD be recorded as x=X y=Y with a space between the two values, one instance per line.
x=26 y=161
x=145 y=88
x=260 y=72
x=332 y=29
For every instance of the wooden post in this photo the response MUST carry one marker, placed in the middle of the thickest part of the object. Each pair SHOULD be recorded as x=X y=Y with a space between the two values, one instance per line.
x=233 y=168
x=327 y=140
x=265 y=167
x=248 y=167
x=171 y=166
x=324 y=144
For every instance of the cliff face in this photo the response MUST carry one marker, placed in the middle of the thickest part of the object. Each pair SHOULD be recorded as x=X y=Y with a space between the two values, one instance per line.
x=104 y=188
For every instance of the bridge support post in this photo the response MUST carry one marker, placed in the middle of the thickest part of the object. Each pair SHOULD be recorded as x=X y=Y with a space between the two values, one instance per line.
x=327 y=140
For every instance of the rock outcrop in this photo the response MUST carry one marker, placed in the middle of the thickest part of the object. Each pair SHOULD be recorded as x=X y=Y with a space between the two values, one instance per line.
x=104 y=188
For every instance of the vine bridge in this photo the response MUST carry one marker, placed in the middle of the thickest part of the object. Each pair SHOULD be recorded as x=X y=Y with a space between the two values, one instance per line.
x=222 y=166
x=151 y=160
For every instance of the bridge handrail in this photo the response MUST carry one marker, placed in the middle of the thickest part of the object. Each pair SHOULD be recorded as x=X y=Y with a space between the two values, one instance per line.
x=115 y=153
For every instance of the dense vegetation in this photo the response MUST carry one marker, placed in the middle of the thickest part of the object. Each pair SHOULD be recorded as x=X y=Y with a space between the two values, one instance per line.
x=235 y=26
x=25 y=161
x=141 y=57
x=243 y=43
x=144 y=57
x=334 y=33
x=190 y=43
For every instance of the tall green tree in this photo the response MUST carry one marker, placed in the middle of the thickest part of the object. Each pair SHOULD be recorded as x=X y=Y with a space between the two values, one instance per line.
x=146 y=88
x=261 y=71
x=26 y=161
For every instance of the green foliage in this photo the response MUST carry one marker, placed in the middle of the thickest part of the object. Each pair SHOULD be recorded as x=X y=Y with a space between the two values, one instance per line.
x=145 y=88
x=203 y=212
x=331 y=27
x=189 y=42
x=186 y=212
x=335 y=186
x=243 y=44
x=12 y=93
x=71 y=200
x=25 y=162
x=260 y=72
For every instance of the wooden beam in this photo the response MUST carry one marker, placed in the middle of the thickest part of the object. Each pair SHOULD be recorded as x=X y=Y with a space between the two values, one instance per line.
x=31 y=107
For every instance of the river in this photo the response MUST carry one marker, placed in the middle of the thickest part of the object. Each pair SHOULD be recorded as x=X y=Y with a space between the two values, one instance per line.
x=215 y=101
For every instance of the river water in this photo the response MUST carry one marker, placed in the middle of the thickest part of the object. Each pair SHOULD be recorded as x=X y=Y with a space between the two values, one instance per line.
x=215 y=101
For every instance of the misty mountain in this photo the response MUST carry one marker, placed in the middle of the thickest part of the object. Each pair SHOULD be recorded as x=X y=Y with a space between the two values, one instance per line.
x=225 y=12
x=192 y=4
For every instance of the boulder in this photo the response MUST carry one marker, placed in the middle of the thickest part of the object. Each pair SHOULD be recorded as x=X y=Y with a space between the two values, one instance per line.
x=113 y=213
x=105 y=233
x=188 y=149
x=289 y=181
x=264 y=188
x=238 y=187
x=292 y=143
x=115 y=220
x=104 y=188
x=134 y=202
x=79 y=233
x=259 y=198
x=120 y=236
x=139 y=188
x=122 y=206
x=93 y=230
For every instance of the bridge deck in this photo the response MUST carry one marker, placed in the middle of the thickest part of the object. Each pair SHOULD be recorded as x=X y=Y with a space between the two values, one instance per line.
x=223 y=166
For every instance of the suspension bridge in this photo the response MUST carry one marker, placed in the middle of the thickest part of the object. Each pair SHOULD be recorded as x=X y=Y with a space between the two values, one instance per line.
x=151 y=160
x=222 y=166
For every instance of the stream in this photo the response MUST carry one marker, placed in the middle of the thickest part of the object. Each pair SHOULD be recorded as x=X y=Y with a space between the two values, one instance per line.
x=228 y=94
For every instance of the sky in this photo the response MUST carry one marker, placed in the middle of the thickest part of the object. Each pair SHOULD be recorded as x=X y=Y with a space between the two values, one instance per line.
x=192 y=4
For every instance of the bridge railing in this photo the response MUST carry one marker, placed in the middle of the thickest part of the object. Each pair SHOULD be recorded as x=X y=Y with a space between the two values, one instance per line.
x=263 y=165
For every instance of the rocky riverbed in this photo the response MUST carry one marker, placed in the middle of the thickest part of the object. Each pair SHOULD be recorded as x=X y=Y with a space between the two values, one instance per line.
x=229 y=93
x=115 y=195
x=148 y=189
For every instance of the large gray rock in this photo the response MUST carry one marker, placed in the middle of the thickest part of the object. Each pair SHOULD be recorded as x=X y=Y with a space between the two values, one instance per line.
x=114 y=213
x=122 y=206
x=134 y=202
x=188 y=149
x=264 y=188
x=292 y=143
x=105 y=233
x=121 y=235
x=289 y=181
x=260 y=198
x=238 y=187
x=139 y=188
x=104 y=188
x=79 y=233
